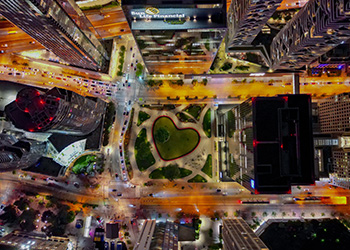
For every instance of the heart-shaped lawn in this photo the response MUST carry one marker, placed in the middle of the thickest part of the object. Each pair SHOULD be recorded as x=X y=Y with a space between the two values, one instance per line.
x=172 y=142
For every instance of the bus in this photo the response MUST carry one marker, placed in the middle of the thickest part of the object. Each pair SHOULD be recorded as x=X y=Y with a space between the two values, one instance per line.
x=254 y=201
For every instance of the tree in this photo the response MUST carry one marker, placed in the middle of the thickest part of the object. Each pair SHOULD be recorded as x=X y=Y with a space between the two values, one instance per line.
x=22 y=204
x=9 y=215
x=226 y=66
x=205 y=81
x=122 y=48
x=264 y=214
x=161 y=135
x=273 y=214
x=171 y=172
x=253 y=214
x=283 y=214
x=26 y=220
x=48 y=216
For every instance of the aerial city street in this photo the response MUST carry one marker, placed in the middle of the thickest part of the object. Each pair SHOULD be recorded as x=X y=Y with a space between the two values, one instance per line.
x=174 y=125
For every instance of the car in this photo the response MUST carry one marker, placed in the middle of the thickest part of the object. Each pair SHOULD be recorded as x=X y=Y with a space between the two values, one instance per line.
x=130 y=48
x=106 y=246
x=134 y=68
x=66 y=182
x=270 y=84
x=2 y=51
x=133 y=55
x=122 y=30
x=151 y=195
x=33 y=178
x=114 y=190
x=76 y=184
x=218 y=190
x=116 y=175
x=4 y=45
x=137 y=61
x=126 y=122
x=288 y=83
x=10 y=73
x=119 y=194
x=2 y=206
x=132 y=64
x=129 y=85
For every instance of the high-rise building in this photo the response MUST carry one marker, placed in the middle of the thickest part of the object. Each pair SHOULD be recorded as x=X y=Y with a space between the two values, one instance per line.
x=237 y=235
x=317 y=28
x=60 y=26
x=177 y=37
x=56 y=110
x=334 y=115
x=246 y=18
x=276 y=144
x=18 y=154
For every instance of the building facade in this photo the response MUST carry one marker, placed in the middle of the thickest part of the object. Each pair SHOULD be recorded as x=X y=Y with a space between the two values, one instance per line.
x=317 y=28
x=180 y=37
x=246 y=18
x=18 y=154
x=334 y=115
x=53 y=23
x=237 y=235
x=56 y=110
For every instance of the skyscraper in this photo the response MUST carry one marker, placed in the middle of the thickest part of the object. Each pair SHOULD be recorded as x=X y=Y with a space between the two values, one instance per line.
x=237 y=235
x=57 y=110
x=18 y=154
x=48 y=22
x=334 y=115
x=318 y=27
x=246 y=18
x=177 y=36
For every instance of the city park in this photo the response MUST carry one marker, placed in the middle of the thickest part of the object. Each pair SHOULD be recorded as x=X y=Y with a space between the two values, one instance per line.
x=170 y=142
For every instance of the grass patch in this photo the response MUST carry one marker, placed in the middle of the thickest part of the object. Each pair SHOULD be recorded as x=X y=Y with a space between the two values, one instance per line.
x=83 y=163
x=231 y=123
x=195 y=110
x=207 y=123
x=233 y=167
x=184 y=118
x=170 y=172
x=143 y=116
x=198 y=178
x=143 y=154
x=208 y=168
x=180 y=141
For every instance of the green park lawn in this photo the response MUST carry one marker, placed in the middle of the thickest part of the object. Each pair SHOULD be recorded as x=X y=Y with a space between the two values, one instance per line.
x=231 y=123
x=143 y=116
x=180 y=141
x=170 y=172
x=194 y=111
x=208 y=168
x=143 y=154
x=197 y=178
x=207 y=123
